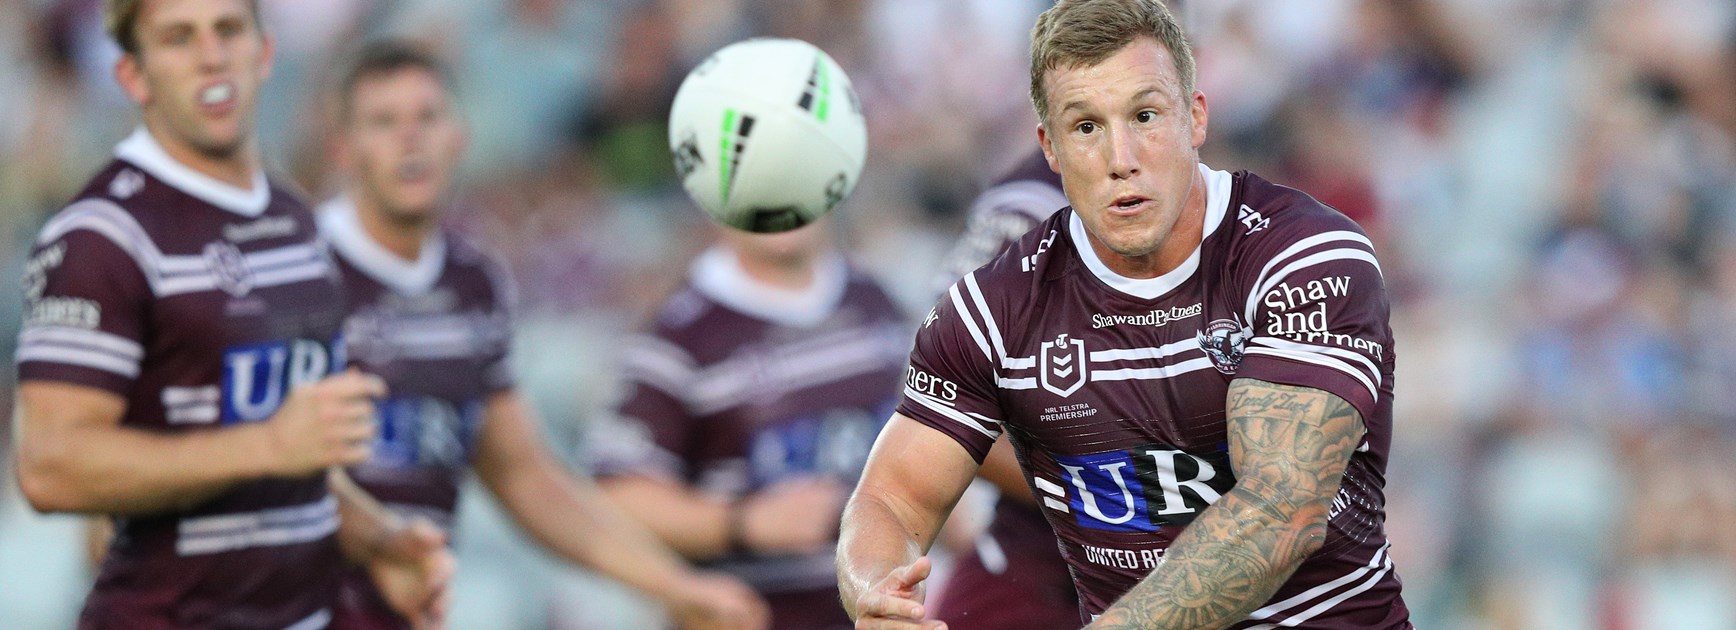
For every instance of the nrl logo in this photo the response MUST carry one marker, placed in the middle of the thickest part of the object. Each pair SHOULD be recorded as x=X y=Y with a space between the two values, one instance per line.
x=1064 y=365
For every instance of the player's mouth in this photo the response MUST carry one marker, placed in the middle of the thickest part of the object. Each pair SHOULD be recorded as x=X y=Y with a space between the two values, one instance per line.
x=414 y=171
x=1128 y=205
x=218 y=98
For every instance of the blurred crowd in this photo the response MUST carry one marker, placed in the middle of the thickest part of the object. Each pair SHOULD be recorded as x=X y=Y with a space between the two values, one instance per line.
x=1551 y=184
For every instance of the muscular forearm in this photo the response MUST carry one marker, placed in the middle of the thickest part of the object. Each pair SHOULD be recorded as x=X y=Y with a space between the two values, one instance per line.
x=573 y=518
x=873 y=542
x=1223 y=566
x=700 y=533
x=119 y=470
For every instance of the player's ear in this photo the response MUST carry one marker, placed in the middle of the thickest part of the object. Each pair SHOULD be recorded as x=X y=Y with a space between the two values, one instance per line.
x=1201 y=114
x=267 y=54
x=1048 y=149
x=131 y=78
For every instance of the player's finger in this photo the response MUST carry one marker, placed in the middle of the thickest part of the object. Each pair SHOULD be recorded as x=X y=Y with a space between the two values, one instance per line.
x=875 y=604
x=881 y=623
x=356 y=383
x=909 y=576
x=355 y=453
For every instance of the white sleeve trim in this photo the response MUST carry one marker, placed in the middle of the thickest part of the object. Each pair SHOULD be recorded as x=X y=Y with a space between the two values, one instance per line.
x=955 y=415
x=1316 y=359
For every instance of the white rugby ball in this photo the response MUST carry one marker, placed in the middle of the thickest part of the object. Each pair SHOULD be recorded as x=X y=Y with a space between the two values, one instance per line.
x=767 y=134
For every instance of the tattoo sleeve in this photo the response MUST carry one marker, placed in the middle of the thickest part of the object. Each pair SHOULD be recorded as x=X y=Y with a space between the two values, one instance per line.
x=1288 y=446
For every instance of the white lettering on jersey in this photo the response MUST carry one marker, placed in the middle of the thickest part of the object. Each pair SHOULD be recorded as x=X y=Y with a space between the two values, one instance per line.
x=1252 y=219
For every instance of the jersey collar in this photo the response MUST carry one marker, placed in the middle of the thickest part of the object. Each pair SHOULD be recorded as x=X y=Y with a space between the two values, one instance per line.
x=343 y=229
x=719 y=276
x=143 y=151
x=1217 y=204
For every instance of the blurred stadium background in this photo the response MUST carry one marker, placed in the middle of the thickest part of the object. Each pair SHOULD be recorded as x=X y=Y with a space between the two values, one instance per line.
x=1552 y=184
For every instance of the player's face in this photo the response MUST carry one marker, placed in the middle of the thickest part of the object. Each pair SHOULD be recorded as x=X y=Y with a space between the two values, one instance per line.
x=1125 y=141
x=402 y=142
x=197 y=73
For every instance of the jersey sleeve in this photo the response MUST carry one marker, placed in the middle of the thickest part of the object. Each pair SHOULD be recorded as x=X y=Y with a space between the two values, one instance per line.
x=85 y=300
x=950 y=383
x=652 y=425
x=1318 y=309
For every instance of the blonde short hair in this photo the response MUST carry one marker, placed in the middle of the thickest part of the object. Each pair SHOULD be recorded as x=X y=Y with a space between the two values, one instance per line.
x=121 y=20
x=1082 y=33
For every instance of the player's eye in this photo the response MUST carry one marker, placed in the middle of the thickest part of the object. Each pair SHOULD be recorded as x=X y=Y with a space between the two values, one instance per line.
x=1086 y=128
x=1145 y=116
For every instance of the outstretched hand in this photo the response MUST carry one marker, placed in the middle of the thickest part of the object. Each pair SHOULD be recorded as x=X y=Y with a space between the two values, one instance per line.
x=895 y=602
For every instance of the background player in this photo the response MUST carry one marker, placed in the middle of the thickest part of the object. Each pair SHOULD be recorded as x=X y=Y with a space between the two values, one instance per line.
x=175 y=360
x=1012 y=577
x=1107 y=342
x=752 y=403
x=430 y=314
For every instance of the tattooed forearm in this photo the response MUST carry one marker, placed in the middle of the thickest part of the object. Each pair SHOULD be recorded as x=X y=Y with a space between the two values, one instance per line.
x=1288 y=446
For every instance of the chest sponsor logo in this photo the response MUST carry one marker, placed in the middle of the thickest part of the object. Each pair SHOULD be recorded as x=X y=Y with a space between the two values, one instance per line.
x=1142 y=489
x=268 y=227
x=257 y=376
x=832 y=443
x=1064 y=365
x=422 y=431
x=1224 y=341
x=229 y=267
x=1153 y=318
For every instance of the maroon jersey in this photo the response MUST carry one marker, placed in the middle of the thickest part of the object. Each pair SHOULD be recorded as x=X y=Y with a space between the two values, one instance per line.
x=740 y=385
x=201 y=304
x=1112 y=389
x=1016 y=579
x=437 y=330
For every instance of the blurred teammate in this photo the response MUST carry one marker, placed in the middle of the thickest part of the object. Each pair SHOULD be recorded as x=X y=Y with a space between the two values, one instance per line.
x=1194 y=367
x=176 y=363
x=752 y=403
x=1013 y=578
x=429 y=313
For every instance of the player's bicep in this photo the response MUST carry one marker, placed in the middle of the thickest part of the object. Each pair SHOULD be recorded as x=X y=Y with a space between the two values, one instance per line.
x=917 y=473
x=1318 y=314
x=1289 y=445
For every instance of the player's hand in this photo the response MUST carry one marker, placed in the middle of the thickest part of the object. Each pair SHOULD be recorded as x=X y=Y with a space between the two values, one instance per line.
x=413 y=570
x=895 y=602
x=710 y=601
x=793 y=517
x=328 y=423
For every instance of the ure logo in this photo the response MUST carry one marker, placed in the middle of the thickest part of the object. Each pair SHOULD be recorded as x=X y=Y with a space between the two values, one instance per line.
x=1143 y=489
x=425 y=431
x=256 y=376
x=1064 y=365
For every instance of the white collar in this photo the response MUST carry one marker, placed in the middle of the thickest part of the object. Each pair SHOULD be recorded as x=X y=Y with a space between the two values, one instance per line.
x=143 y=151
x=1217 y=203
x=342 y=227
x=718 y=275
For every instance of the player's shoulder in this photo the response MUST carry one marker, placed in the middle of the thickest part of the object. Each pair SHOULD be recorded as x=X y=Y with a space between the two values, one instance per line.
x=1031 y=191
x=113 y=206
x=1269 y=212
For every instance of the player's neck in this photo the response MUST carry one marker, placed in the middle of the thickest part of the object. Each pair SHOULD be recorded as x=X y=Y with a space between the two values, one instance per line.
x=794 y=273
x=401 y=235
x=235 y=169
